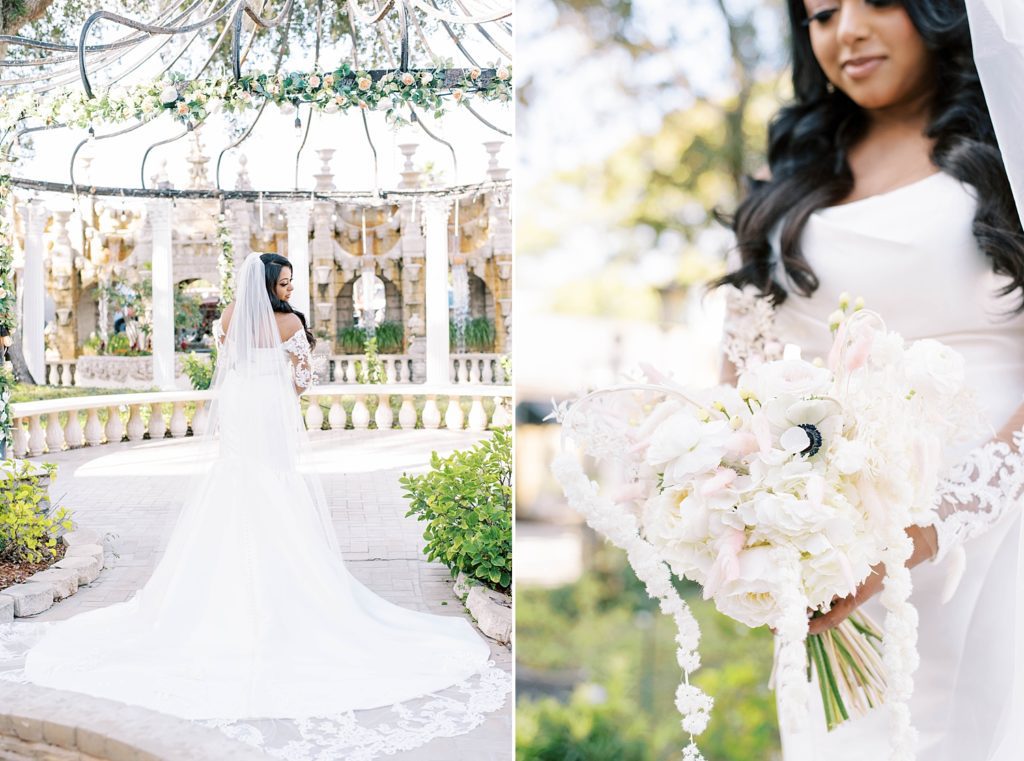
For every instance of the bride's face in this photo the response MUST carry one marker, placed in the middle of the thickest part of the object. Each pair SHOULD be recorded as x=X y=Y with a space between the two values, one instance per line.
x=283 y=288
x=870 y=50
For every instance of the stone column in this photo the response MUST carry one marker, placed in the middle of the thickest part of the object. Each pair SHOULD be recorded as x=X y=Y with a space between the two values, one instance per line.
x=324 y=271
x=33 y=345
x=298 y=253
x=159 y=212
x=435 y=228
x=239 y=227
x=501 y=241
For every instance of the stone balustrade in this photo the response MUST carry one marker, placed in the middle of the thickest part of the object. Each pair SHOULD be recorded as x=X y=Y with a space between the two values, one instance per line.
x=61 y=372
x=463 y=368
x=344 y=368
x=53 y=425
x=477 y=368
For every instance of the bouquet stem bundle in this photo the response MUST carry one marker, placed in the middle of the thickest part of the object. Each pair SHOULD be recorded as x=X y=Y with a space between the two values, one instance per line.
x=848 y=663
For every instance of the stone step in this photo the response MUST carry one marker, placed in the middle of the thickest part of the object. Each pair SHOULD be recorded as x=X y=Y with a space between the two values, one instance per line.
x=86 y=550
x=63 y=580
x=6 y=609
x=81 y=536
x=30 y=598
x=492 y=611
x=88 y=568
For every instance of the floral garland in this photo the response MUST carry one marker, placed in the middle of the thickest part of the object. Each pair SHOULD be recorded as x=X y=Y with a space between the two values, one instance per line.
x=328 y=91
x=7 y=311
x=225 y=263
x=623 y=530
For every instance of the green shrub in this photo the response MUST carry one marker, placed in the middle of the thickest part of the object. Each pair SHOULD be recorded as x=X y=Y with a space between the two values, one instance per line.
x=371 y=370
x=119 y=345
x=390 y=337
x=580 y=730
x=466 y=500
x=28 y=527
x=479 y=335
x=352 y=340
x=200 y=370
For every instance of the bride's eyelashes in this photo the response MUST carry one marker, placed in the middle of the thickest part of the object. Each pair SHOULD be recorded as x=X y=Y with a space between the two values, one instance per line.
x=824 y=15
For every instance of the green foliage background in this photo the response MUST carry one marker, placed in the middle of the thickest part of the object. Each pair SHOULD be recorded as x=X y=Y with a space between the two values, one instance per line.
x=604 y=633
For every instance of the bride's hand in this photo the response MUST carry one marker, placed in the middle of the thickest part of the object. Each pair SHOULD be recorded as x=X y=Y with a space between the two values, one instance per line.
x=925 y=546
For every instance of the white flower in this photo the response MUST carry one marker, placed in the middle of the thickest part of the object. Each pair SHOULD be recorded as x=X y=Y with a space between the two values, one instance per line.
x=149 y=104
x=687 y=447
x=364 y=83
x=789 y=377
x=426 y=77
x=168 y=95
x=934 y=368
x=314 y=81
x=458 y=94
x=214 y=105
x=407 y=78
x=752 y=597
x=848 y=456
x=503 y=73
x=474 y=74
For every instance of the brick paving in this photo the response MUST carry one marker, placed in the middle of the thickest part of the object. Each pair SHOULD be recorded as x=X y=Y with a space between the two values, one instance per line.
x=128 y=493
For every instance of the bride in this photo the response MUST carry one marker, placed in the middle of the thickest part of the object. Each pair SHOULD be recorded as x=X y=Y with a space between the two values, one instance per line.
x=887 y=182
x=251 y=612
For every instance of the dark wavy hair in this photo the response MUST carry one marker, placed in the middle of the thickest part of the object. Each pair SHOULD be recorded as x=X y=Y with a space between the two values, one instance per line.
x=809 y=142
x=272 y=266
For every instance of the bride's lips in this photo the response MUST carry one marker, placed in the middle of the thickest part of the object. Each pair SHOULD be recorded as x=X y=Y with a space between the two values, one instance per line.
x=859 y=68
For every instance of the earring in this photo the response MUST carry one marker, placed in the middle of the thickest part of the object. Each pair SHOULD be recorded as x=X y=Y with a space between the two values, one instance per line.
x=831 y=88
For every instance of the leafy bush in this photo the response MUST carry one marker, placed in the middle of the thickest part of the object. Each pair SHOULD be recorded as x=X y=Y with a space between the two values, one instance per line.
x=352 y=340
x=28 y=527
x=582 y=730
x=200 y=370
x=371 y=370
x=119 y=345
x=479 y=335
x=466 y=500
x=390 y=337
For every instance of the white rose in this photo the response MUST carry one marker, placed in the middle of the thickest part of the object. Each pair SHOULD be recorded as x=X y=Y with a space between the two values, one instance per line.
x=830 y=574
x=934 y=368
x=407 y=78
x=214 y=105
x=168 y=95
x=786 y=515
x=149 y=104
x=751 y=598
x=786 y=377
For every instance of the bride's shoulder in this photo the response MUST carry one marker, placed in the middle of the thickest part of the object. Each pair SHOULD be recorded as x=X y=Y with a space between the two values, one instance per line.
x=289 y=325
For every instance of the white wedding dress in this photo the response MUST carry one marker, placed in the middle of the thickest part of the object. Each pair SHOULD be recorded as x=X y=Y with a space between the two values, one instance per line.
x=911 y=254
x=251 y=616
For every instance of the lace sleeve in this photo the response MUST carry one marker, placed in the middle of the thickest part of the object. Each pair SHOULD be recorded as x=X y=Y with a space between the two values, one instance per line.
x=302 y=360
x=978 y=492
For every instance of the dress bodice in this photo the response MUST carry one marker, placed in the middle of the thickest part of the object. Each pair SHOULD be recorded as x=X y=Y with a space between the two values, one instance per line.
x=913 y=257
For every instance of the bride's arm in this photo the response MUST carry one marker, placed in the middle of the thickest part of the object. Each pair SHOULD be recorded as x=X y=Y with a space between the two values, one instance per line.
x=301 y=356
x=976 y=495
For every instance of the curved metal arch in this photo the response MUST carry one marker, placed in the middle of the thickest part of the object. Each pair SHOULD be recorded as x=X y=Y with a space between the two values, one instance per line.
x=74 y=49
x=145 y=156
x=302 y=145
x=485 y=122
x=451 y=148
x=259 y=21
x=151 y=29
x=109 y=56
x=238 y=142
x=373 y=149
x=370 y=18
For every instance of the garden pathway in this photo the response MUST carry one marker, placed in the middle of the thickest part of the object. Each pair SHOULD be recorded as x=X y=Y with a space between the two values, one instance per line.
x=130 y=492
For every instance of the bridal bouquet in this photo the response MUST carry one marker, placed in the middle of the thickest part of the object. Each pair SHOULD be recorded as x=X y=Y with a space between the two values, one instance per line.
x=779 y=495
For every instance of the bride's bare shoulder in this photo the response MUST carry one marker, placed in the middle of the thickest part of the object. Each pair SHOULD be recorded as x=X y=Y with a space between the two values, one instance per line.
x=289 y=324
x=225 y=316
